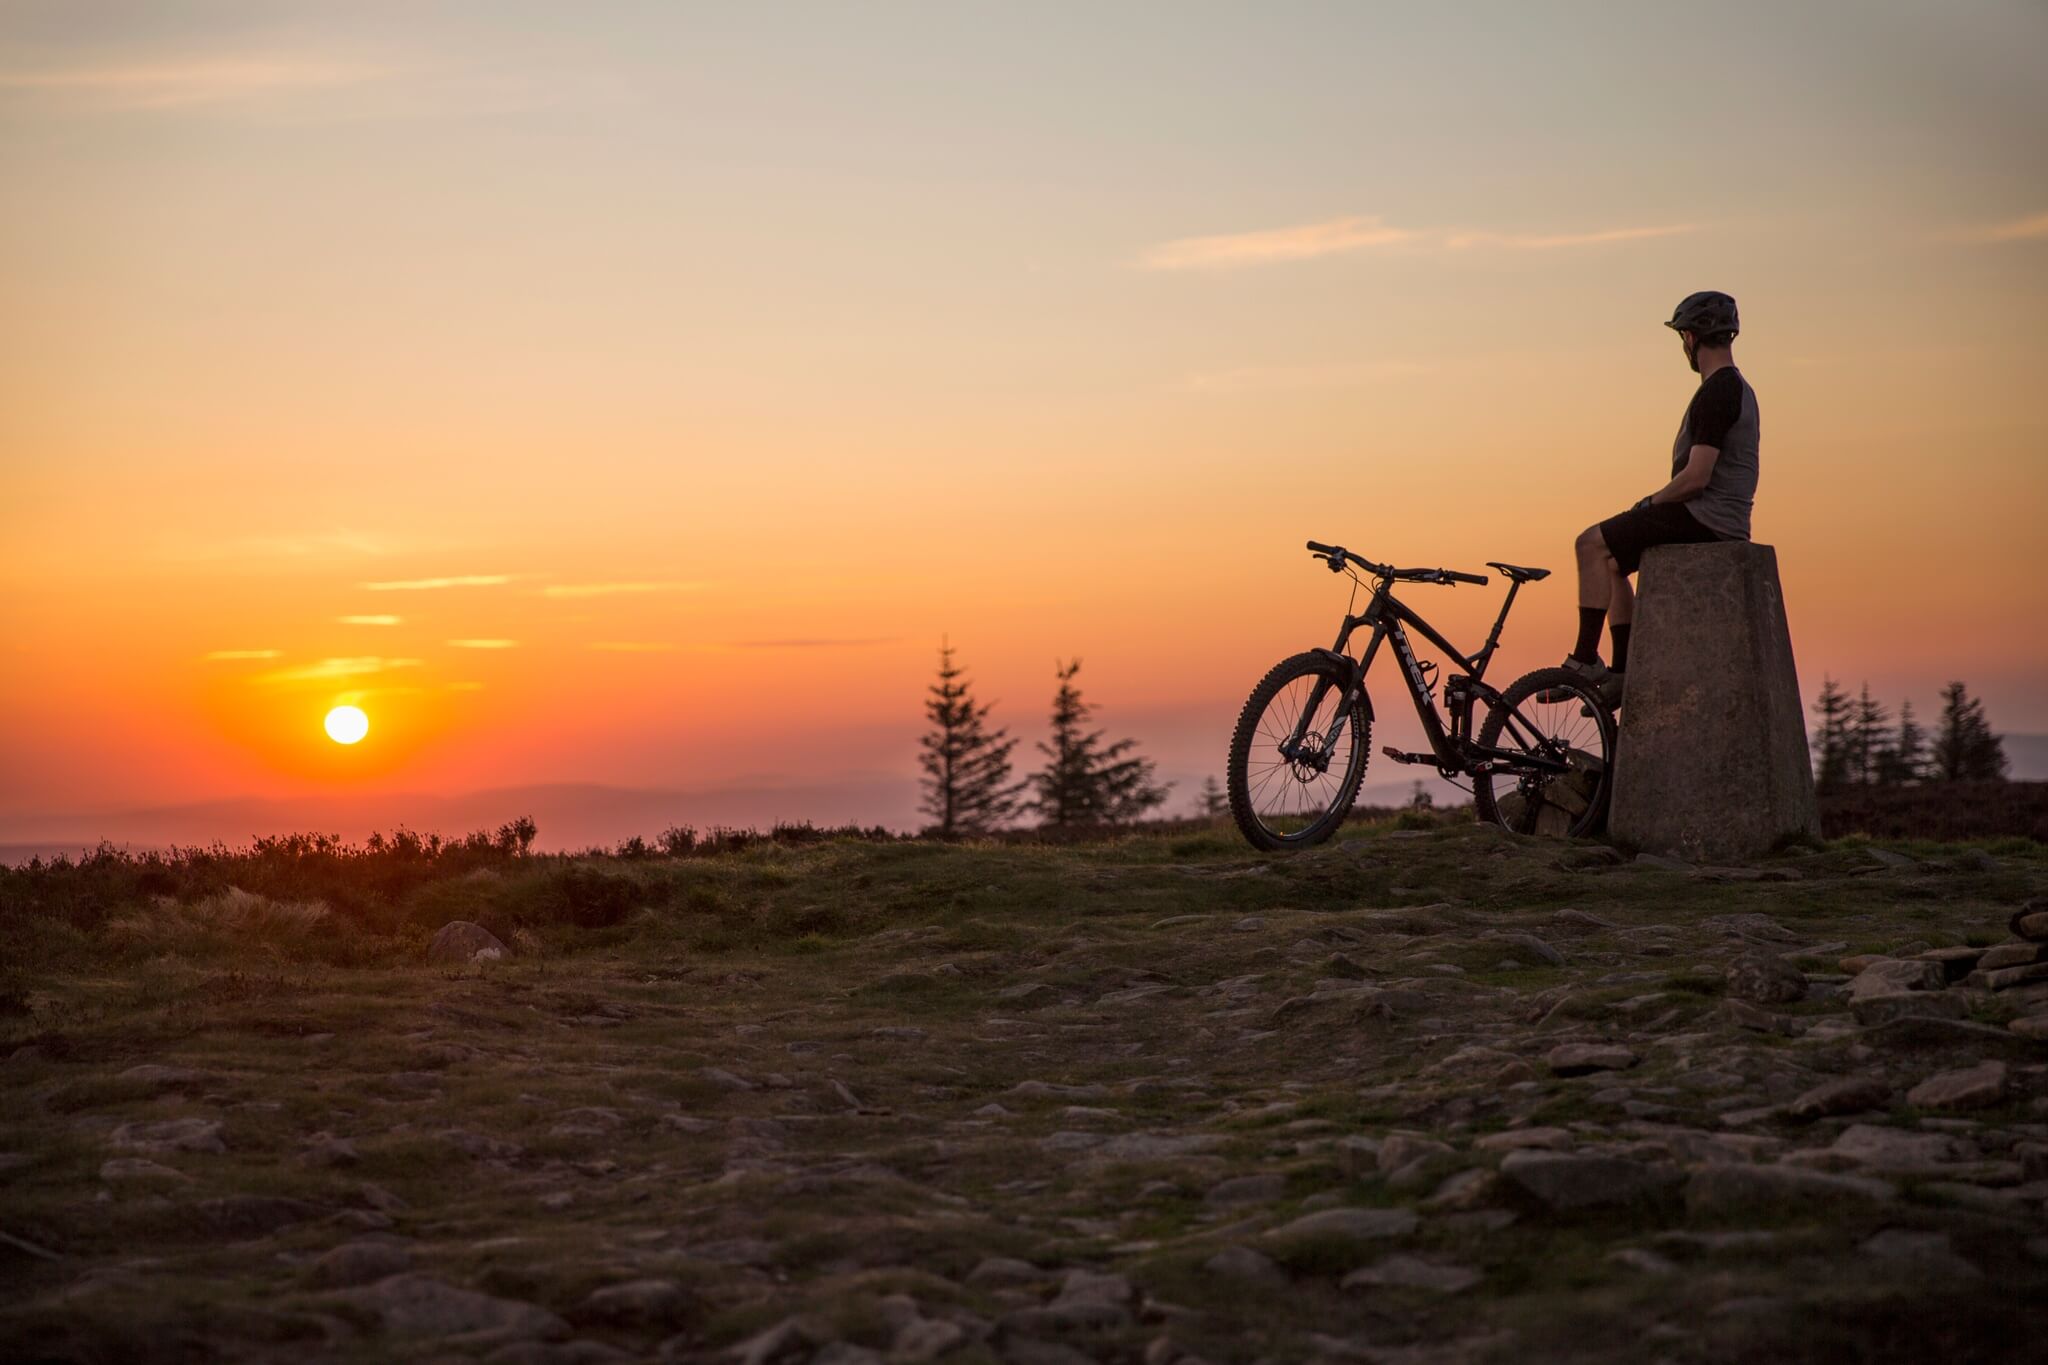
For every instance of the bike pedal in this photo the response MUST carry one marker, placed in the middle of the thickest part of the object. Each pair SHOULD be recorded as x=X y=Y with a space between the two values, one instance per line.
x=1395 y=754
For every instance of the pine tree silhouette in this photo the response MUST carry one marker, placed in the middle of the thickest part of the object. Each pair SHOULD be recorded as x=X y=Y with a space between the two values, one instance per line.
x=1905 y=758
x=1831 y=737
x=1965 y=749
x=1086 y=782
x=967 y=787
x=1867 y=725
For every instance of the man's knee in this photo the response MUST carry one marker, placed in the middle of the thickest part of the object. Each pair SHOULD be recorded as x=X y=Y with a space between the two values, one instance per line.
x=1591 y=543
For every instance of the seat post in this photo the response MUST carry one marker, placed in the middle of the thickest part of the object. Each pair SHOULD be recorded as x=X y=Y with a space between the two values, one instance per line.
x=1493 y=636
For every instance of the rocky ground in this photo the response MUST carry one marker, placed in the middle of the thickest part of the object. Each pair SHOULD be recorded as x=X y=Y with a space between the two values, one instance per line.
x=1415 y=1096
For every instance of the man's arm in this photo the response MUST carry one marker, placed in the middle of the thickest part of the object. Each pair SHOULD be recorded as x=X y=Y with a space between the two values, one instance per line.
x=1690 y=481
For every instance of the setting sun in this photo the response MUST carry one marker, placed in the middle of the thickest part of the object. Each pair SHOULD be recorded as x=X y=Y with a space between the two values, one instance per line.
x=347 y=724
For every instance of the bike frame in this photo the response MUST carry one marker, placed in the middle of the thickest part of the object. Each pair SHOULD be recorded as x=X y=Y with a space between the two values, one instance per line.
x=1452 y=748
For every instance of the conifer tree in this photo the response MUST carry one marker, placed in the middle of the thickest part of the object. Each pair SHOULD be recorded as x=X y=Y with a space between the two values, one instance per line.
x=1213 y=802
x=1905 y=758
x=1086 y=782
x=1965 y=749
x=1831 y=736
x=967 y=787
x=1867 y=741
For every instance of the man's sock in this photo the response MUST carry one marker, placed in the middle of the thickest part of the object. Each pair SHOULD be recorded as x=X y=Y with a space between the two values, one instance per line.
x=1587 y=650
x=1619 y=630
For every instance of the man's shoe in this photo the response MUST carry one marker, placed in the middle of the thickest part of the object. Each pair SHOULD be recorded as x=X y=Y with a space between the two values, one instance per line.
x=1604 y=680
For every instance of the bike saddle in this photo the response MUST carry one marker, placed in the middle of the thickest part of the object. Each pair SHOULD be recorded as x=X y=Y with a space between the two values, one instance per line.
x=1518 y=573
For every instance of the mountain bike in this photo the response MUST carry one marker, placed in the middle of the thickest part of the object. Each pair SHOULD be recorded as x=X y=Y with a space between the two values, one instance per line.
x=1541 y=761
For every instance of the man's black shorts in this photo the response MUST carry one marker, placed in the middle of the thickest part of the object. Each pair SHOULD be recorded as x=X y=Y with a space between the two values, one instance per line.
x=1639 y=528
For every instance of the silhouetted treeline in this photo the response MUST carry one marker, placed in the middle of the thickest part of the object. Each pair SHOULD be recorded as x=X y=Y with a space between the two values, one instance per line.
x=1858 y=742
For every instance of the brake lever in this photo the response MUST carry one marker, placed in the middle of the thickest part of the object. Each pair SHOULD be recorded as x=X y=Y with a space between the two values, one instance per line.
x=1336 y=561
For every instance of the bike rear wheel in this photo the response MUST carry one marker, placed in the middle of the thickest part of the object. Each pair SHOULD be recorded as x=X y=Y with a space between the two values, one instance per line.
x=1574 y=728
x=1283 y=801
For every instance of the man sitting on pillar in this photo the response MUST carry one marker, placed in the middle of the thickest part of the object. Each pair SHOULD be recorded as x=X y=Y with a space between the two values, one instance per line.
x=1713 y=483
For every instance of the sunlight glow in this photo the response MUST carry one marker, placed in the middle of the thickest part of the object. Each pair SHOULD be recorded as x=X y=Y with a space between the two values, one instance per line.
x=347 y=724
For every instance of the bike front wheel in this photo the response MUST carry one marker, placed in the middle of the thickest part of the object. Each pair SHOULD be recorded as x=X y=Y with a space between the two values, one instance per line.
x=1287 y=795
x=1552 y=714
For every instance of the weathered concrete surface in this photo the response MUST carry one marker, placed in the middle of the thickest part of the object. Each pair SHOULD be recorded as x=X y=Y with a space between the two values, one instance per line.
x=1711 y=762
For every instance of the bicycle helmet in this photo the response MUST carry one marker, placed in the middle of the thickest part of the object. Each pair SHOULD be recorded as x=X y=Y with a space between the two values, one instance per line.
x=1705 y=313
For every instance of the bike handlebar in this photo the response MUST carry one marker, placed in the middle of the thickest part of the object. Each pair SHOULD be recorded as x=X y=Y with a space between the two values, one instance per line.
x=1337 y=555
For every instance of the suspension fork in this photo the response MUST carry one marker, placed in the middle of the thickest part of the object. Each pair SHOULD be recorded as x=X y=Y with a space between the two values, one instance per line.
x=1354 y=692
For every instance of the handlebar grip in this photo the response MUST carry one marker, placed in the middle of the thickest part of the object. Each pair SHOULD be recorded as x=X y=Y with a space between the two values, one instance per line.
x=1452 y=574
x=1321 y=548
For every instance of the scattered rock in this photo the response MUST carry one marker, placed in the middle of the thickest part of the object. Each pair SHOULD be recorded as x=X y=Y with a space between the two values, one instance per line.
x=255 y=1215
x=1530 y=948
x=637 y=1303
x=420 y=1306
x=1341 y=1225
x=1513 y=1139
x=354 y=1263
x=1975 y=1087
x=993 y=1271
x=1766 y=980
x=1845 y=1096
x=1412 y=1272
x=1887 y=1007
x=125 y=1170
x=1579 y=1059
x=787 y=1341
x=1887 y=975
x=1563 y=1182
x=1729 y=1187
x=1247 y=1189
x=168 y=1135
x=1742 y=1014
x=1243 y=1263
x=1872 y=1144
x=461 y=941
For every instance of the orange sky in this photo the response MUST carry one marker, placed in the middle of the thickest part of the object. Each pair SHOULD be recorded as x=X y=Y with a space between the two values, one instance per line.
x=737 y=357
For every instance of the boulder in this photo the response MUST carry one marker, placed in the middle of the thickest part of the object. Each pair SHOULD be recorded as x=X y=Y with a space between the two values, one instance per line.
x=461 y=941
x=1564 y=1182
x=1711 y=762
x=1975 y=1087
x=1766 y=979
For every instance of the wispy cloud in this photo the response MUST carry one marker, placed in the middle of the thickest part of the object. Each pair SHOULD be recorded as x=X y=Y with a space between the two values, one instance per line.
x=1267 y=378
x=2029 y=229
x=210 y=80
x=1538 y=241
x=473 y=580
x=1341 y=235
x=483 y=644
x=634 y=647
x=329 y=669
x=224 y=655
x=368 y=620
x=1273 y=244
x=574 y=590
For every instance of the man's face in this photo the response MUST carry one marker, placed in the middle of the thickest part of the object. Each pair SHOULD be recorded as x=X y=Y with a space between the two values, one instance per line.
x=1691 y=342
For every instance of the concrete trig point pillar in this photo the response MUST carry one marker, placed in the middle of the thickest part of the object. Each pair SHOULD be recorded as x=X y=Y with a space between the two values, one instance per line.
x=1711 y=762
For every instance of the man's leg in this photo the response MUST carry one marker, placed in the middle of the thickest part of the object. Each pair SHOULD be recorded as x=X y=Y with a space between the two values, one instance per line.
x=1597 y=574
x=1621 y=615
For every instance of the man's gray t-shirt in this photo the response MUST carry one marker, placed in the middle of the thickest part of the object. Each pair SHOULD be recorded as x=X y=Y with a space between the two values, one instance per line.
x=1722 y=414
